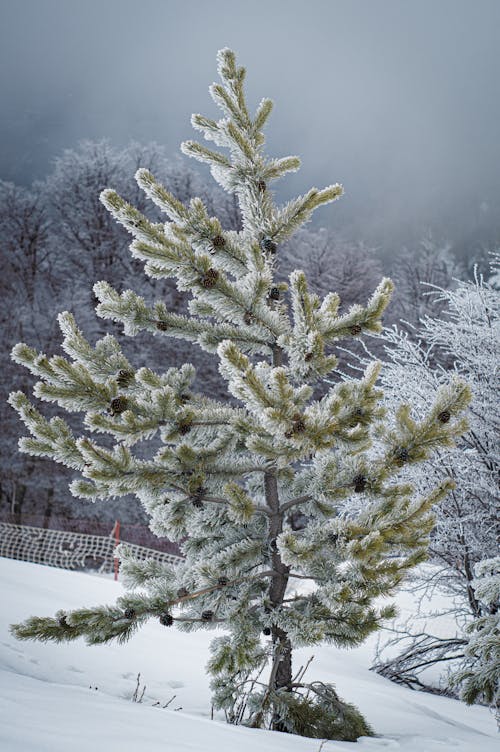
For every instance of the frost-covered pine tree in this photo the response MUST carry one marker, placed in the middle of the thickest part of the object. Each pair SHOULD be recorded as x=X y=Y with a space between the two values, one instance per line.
x=479 y=675
x=228 y=477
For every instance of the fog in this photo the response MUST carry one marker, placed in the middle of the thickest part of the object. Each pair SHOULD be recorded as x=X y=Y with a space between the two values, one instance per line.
x=397 y=100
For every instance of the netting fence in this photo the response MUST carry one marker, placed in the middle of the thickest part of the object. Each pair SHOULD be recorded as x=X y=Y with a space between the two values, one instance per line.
x=71 y=550
x=131 y=532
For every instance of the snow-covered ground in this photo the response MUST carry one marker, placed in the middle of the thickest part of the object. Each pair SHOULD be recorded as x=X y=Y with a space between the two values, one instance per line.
x=78 y=698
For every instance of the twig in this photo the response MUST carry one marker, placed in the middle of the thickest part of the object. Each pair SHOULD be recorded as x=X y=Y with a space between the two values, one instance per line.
x=136 y=697
x=302 y=670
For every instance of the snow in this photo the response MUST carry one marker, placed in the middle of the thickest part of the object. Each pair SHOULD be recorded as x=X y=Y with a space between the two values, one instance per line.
x=70 y=696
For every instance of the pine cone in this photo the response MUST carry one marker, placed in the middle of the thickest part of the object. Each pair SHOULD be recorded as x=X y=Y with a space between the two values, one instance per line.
x=402 y=455
x=210 y=278
x=197 y=497
x=444 y=416
x=355 y=329
x=124 y=377
x=118 y=405
x=261 y=185
x=268 y=245
x=184 y=427
x=182 y=592
x=274 y=293
x=332 y=538
x=207 y=616
x=359 y=483
x=266 y=631
x=298 y=425
x=308 y=356
x=222 y=581
x=248 y=318
x=62 y=621
x=129 y=613
x=166 y=620
x=162 y=326
x=218 y=241
x=356 y=417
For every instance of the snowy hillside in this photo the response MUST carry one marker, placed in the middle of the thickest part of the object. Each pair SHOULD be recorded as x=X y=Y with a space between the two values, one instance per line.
x=78 y=698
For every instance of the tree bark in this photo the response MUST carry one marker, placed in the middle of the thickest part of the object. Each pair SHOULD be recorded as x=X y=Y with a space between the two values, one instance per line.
x=281 y=670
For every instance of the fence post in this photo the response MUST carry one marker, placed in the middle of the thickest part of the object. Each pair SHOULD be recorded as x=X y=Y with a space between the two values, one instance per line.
x=117 y=541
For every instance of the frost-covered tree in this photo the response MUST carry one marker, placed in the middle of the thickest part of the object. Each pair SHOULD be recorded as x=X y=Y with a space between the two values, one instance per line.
x=466 y=339
x=333 y=263
x=479 y=676
x=86 y=236
x=427 y=263
x=229 y=475
x=467 y=335
x=56 y=239
x=28 y=286
x=23 y=233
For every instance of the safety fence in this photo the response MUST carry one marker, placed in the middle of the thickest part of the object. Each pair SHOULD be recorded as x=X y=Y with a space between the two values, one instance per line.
x=137 y=532
x=70 y=550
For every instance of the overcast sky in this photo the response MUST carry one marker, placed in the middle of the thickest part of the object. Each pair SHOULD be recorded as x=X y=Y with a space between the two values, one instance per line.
x=397 y=99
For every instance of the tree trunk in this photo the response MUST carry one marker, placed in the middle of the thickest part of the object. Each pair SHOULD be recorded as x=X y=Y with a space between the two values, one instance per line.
x=284 y=670
x=281 y=670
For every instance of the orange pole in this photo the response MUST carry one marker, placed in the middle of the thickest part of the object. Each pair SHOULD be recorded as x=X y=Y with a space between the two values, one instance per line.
x=117 y=540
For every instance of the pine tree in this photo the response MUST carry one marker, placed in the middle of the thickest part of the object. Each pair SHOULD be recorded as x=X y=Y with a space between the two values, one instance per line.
x=229 y=477
x=479 y=676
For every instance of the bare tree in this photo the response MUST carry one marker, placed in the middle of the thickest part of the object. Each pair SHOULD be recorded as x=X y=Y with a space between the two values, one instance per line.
x=467 y=529
x=332 y=262
x=415 y=271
